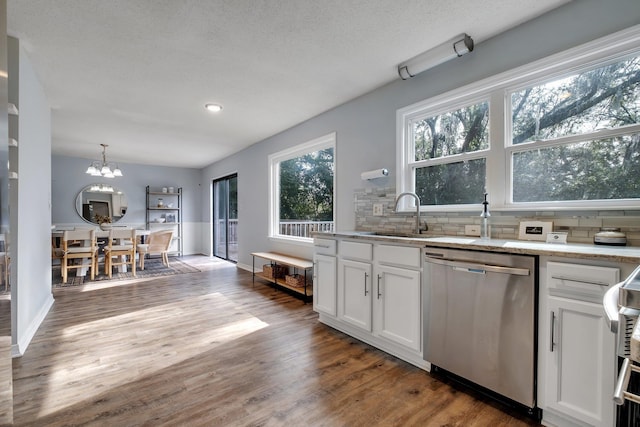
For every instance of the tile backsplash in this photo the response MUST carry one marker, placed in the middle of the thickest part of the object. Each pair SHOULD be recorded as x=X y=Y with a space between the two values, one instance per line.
x=580 y=226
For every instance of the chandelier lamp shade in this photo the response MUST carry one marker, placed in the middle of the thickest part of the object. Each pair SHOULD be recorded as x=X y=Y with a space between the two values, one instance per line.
x=453 y=48
x=101 y=188
x=104 y=168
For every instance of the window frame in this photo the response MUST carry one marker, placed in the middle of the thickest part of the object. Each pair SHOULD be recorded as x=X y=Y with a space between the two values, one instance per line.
x=431 y=111
x=274 y=160
x=499 y=158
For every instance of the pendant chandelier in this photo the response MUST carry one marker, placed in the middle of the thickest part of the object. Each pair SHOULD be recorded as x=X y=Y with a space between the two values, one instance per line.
x=104 y=168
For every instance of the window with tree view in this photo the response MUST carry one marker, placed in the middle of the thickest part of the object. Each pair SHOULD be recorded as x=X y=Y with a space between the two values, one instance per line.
x=303 y=190
x=563 y=131
x=583 y=142
x=449 y=163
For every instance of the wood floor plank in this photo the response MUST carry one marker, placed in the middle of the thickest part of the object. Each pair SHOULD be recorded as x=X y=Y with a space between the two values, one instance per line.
x=213 y=348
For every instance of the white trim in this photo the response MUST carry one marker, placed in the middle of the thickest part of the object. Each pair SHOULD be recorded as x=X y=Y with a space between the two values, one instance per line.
x=320 y=143
x=304 y=148
x=17 y=350
x=300 y=241
x=246 y=267
x=608 y=48
x=564 y=140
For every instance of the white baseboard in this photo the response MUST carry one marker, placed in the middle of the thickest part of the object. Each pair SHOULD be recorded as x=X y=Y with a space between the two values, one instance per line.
x=247 y=267
x=17 y=350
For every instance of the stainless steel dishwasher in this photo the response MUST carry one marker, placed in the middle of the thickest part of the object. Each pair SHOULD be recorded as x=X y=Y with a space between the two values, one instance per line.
x=481 y=320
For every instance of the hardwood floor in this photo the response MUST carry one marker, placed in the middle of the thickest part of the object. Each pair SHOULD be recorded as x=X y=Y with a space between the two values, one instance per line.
x=210 y=349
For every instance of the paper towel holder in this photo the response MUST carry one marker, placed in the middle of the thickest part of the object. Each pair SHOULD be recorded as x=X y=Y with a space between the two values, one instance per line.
x=376 y=173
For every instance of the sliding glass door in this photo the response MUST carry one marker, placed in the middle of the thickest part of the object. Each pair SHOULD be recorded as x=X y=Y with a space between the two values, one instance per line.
x=225 y=218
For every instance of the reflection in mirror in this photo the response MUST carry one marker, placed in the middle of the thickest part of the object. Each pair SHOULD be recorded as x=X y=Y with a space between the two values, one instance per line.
x=101 y=203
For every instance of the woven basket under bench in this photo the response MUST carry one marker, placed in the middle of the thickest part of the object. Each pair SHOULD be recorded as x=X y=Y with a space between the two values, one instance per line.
x=296 y=280
x=275 y=271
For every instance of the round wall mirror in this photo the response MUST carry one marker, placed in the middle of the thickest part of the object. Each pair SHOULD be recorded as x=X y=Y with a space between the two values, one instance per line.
x=101 y=203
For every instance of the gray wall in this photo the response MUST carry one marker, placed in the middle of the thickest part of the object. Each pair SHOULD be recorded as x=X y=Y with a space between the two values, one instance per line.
x=366 y=126
x=31 y=295
x=69 y=177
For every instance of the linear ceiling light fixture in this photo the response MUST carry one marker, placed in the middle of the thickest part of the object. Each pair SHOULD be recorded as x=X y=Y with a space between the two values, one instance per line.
x=453 y=48
x=104 y=168
x=214 y=108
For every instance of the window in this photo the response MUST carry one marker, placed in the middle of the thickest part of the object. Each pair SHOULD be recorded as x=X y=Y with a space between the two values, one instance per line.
x=581 y=136
x=561 y=132
x=449 y=166
x=302 y=189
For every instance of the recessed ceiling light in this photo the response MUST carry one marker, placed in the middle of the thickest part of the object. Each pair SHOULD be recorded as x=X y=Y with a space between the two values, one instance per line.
x=214 y=108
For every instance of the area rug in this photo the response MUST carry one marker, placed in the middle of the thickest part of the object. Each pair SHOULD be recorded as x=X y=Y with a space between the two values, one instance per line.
x=152 y=268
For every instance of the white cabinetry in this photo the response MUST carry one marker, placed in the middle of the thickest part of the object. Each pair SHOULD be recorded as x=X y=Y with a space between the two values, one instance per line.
x=398 y=301
x=355 y=283
x=324 y=276
x=354 y=293
x=577 y=349
x=398 y=305
x=378 y=297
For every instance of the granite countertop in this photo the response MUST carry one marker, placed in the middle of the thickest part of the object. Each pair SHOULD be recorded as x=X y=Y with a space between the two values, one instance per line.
x=626 y=254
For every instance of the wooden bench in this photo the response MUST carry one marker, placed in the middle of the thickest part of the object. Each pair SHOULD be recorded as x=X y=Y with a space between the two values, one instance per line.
x=300 y=266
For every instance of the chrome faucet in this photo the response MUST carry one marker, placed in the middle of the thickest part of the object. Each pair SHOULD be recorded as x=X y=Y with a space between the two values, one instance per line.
x=415 y=196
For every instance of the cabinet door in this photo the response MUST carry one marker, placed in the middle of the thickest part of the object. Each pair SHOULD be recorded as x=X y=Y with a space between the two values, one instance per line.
x=354 y=293
x=397 y=311
x=580 y=361
x=324 y=284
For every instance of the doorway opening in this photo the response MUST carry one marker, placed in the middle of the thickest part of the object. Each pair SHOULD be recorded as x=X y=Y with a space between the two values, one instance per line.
x=225 y=218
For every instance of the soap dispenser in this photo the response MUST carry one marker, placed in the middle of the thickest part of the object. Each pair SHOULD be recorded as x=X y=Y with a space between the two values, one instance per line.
x=485 y=232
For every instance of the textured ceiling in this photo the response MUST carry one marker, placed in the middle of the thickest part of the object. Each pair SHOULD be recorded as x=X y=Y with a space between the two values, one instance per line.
x=135 y=74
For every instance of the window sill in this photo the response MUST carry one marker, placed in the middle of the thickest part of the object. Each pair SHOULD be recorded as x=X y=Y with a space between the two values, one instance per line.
x=299 y=241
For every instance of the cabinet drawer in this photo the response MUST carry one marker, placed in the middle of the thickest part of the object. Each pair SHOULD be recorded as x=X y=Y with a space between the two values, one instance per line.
x=324 y=246
x=581 y=279
x=398 y=255
x=355 y=250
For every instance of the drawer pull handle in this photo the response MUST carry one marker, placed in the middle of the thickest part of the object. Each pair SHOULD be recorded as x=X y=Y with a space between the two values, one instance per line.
x=553 y=329
x=365 y=284
x=587 y=282
x=379 y=294
x=323 y=246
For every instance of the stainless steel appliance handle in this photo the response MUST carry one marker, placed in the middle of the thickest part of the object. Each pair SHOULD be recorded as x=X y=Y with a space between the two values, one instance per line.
x=611 y=298
x=479 y=268
x=620 y=393
x=633 y=275
x=610 y=304
x=622 y=383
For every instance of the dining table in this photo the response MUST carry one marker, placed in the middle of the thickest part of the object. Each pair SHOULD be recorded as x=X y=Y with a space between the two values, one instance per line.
x=101 y=237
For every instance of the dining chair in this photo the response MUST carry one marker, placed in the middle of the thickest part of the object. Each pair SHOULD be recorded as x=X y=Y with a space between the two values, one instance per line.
x=157 y=243
x=121 y=245
x=56 y=249
x=87 y=249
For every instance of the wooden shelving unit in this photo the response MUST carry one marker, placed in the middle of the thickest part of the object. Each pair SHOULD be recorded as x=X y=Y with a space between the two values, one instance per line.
x=172 y=215
x=299 y=265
